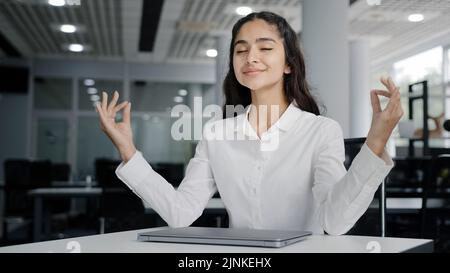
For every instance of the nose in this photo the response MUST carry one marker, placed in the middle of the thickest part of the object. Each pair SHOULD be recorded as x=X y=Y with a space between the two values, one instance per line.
x=252 y=56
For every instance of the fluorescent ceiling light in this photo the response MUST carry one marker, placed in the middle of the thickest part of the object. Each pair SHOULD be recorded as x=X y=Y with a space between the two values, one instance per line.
x=211 y=53
x=243 y=11
x=92 y=91
x=68 y=28
x=178 y=99
x=89 y=82
x=373 y=2
x=76 y=47
x=416 y=17
x=95 y=98
x=182 y=92
x=57 y=3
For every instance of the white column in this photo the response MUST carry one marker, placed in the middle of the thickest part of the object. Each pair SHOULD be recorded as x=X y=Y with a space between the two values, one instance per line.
x=325 y=41
x=223 y=47
x=194 y=90
x=360 y=106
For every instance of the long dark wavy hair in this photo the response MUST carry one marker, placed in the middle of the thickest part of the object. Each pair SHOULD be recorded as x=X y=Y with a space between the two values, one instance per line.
x=296 y=87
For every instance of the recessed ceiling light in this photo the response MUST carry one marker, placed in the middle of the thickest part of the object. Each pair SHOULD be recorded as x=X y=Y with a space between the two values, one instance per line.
x=57 y=3
x=89 y=82
x=182 y=92
x=211 y=53
x=76 y=47
x=373 y=2
x=416 y=17
x=92 y=91
x=243 y=11
x=68 y=28
x=95 y=98
x=178 y=99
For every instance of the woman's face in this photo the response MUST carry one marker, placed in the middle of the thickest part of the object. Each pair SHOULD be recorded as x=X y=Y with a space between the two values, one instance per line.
x=258 y=57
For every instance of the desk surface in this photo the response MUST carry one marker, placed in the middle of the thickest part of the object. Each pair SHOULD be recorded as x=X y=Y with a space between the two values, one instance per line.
x=127 y=242
x=65 y=191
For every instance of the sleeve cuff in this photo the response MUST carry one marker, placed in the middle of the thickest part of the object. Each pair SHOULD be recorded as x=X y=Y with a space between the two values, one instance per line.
x=371 y=166
x=133 y=172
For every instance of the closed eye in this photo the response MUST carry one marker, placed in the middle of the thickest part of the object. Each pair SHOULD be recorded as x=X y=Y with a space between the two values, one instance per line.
x=267 y=49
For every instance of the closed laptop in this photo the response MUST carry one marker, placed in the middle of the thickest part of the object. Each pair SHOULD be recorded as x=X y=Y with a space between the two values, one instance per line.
x=225 y=236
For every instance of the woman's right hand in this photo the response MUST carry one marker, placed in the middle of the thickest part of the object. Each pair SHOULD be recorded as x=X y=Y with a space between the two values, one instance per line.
x=120 y=133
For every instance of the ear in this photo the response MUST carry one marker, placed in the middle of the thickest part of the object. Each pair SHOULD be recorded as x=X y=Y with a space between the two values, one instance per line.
x=287 y=69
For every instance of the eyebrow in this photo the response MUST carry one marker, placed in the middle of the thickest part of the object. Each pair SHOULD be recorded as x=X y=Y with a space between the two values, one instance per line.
x=259 y=40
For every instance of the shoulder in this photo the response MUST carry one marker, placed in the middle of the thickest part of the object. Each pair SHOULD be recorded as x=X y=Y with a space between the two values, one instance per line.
x=317 y=123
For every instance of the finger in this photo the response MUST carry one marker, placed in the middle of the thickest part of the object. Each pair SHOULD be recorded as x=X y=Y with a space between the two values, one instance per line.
x=383 y=93
x=385 y=82
x=113 y=101
x=394 y=102
x=127 y=114
x=100 y=112
x=392 y=84
x=375 y=102
x=120 y=107
x=104 y=101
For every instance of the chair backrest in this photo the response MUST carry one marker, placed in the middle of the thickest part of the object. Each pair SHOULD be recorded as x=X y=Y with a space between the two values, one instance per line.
x=105 y=173
x=439 y=182
x=18 y=181
x=172 y=172
x=17 y=173
x=352 y=148
x=60 y=172
x=117 y=199
x=370 y=222
x=41 y=173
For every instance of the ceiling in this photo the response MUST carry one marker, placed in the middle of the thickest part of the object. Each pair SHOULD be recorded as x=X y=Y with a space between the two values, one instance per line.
x=111 y=29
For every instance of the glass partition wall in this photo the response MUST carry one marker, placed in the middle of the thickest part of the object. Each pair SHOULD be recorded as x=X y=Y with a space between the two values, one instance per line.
x=66 y=127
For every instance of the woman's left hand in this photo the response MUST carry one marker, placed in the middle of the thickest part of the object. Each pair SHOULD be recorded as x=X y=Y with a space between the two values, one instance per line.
x=384 y=121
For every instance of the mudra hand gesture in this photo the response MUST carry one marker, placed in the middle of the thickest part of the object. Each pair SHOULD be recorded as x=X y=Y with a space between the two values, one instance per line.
x=120 y=133
x=384 y=121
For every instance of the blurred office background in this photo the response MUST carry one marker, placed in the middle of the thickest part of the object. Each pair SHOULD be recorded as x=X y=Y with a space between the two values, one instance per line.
x=57 y=56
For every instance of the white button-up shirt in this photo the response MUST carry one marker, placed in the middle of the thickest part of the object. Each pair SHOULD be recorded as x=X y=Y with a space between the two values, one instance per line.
x=292 y=178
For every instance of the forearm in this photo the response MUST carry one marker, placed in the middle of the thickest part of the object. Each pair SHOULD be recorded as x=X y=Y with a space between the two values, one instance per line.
x=345 y=201
x=126 y=153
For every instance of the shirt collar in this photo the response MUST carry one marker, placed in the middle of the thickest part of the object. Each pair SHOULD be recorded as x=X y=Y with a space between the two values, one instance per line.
x=284 y=123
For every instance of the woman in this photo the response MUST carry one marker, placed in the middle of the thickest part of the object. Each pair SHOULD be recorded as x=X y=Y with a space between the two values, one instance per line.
x=300 y=183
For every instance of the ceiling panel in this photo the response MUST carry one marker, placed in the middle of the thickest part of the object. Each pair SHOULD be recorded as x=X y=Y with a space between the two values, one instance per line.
x=110 y=28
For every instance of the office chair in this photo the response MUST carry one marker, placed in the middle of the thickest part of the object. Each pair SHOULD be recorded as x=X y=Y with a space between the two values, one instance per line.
x=352 y=148
x=172 y=172
x=409 y=180
x=120 y=208
x=18 y=205
x=438 y=188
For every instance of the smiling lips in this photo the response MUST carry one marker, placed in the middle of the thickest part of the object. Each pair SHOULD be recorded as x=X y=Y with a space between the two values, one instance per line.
x=250 y=72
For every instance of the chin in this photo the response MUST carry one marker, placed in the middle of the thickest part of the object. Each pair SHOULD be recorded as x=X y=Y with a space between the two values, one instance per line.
x=253 y=85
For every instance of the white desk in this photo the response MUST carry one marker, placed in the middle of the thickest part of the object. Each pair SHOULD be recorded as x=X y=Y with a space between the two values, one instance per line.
x=126 y=242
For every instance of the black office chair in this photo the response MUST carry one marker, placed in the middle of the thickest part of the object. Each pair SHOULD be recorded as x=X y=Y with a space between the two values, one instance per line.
x=18 y=206
x=172 y=172
x=438 y=188
x=120 y=208
x=408 y=179
x=372 y=222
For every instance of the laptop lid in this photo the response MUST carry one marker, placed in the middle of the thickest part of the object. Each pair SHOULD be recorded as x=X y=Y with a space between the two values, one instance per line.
x=225 y=236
